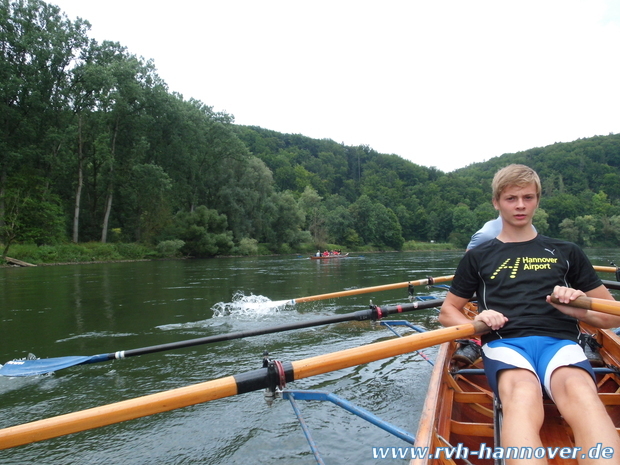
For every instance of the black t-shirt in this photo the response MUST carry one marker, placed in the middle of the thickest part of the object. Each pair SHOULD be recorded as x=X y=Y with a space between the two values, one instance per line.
x=515 y=278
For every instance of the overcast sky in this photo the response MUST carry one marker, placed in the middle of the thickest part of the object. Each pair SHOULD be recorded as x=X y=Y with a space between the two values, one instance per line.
x=441 y=83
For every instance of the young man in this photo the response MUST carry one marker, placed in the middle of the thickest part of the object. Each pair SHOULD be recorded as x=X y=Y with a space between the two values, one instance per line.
x=533 y=343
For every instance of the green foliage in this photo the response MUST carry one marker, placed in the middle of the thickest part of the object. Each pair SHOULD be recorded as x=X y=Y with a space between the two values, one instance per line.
x=170 y=248
x=204 y=233
x=540 y=221
x=31 y=212
x=94 y=147
x=82 y=253
x=339 y=223
x=284 y=219
x=412 y=246
x=246 y=246
x=133 y=251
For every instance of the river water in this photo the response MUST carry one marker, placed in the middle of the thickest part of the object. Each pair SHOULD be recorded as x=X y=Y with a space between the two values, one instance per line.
x=102 y=308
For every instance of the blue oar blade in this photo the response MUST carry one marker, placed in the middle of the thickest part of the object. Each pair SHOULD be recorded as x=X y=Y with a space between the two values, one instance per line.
x=46 y=365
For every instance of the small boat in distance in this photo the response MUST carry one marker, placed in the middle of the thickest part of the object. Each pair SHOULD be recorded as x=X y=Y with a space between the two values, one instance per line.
x=325 y=257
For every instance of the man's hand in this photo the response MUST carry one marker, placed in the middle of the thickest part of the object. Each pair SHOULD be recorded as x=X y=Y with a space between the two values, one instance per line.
x=492 y=319
x=566 y=295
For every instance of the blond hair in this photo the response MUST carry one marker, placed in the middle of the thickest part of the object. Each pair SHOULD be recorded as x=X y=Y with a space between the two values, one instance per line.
x=515 y=175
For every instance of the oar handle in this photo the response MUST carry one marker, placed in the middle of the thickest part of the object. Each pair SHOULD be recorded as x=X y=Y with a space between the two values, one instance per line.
x=611 y=307
x=480 y=327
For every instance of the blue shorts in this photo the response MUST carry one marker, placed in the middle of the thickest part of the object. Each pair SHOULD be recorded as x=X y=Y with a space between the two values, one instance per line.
x=539 y=354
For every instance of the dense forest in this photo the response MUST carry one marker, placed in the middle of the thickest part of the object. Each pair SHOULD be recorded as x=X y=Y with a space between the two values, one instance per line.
x=94 y=147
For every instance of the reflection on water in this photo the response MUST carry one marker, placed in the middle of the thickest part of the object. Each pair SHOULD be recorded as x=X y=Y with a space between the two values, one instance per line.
x=92 y=309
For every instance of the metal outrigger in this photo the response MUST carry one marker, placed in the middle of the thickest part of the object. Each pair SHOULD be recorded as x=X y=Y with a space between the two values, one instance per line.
x=294 y=395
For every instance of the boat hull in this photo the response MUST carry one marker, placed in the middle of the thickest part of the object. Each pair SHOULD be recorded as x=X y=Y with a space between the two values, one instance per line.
x=327 y=257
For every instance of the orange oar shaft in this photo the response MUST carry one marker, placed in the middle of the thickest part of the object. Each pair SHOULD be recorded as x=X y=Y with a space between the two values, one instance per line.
x=116 y=413
x=380 y=350
x=605 y=269
x=364 y=290
x=590 y=303
x=225 y=387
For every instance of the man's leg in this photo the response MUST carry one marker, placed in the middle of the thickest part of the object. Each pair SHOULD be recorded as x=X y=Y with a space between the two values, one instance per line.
x=523 y=414
x=574 y=392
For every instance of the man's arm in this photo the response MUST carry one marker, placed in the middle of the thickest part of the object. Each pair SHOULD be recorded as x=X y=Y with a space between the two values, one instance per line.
x=451 y=315
x=591 y=317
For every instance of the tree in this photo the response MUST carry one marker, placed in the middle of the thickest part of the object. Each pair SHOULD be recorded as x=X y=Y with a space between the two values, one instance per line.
x=339 y=223
x=586 y=226
x=389 y=232
x=314 y=212
x=484 y=212
x=284 y=219
x=569 y=231
x=376 y=224
x=32 y=213
x=38 y=46
x=242 y=194
x=611 y=185
x=614 y=222
x=361 y=212
x=123 y=110
x=463 y=223
x=204 y=232
x=540 y=221
x=601 y=205
x=580 y=230
x=146 y=195
x=559 y=208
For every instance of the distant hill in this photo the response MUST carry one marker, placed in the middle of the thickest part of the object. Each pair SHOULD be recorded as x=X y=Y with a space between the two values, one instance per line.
x=580 y=178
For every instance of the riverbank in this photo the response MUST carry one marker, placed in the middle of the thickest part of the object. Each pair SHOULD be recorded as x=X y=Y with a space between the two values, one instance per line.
x=96 y=252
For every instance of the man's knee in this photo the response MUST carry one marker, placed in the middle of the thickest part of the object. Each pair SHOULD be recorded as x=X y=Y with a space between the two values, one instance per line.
x=519 y=387
x=574 y=390
x=572 y=382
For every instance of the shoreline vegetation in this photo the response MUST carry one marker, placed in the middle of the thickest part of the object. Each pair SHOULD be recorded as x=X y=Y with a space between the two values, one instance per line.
x=103 y=162
x=97 y=252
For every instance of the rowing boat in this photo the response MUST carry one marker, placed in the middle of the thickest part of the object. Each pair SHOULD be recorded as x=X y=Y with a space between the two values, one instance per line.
x=325 y=257
x=460 y=408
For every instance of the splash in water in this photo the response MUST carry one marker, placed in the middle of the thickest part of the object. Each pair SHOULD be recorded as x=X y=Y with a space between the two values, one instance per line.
x=242 y=307
x=248 y=305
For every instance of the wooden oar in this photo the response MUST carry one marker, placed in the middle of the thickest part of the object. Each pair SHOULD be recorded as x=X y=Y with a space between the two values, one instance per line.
x=609 y=269
x=48 y=365
x=605 y=269
x=228 y=386
x=364 y=290
x=591 y=303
